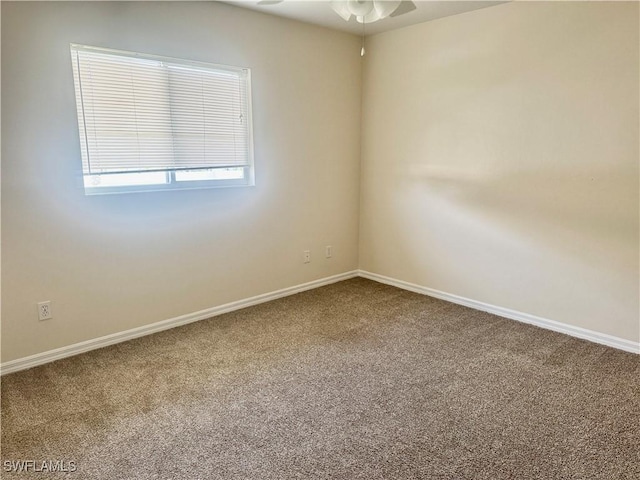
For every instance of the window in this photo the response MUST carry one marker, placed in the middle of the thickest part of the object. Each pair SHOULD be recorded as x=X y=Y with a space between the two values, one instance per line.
x=155 y=123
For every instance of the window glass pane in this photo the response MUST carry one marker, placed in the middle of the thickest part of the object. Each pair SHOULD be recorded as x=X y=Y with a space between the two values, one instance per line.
x=125 y=179
x=210 y=174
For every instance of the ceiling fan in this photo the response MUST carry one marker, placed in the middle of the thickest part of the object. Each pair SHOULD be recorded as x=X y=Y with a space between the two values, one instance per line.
x=365 y=11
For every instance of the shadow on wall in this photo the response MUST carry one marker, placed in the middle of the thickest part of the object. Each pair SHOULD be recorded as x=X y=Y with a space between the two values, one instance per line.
x=516 y=230
x=591 y=204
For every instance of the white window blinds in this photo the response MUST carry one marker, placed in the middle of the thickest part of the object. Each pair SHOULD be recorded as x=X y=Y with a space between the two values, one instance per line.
x=143 y=113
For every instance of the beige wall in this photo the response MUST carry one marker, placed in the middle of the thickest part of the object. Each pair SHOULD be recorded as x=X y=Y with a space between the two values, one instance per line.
x=111 y=263
x=500 y=160
x=499 y=163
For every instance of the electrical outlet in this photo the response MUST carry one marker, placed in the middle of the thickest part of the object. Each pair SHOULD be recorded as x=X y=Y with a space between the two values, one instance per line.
x=328 y=252
x=44 y=310
x=306 y=255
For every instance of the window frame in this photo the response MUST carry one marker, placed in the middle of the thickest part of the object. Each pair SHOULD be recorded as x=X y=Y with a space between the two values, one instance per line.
x=171 y=183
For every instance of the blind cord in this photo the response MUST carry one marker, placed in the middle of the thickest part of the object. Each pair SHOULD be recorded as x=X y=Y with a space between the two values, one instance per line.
x=362 y=50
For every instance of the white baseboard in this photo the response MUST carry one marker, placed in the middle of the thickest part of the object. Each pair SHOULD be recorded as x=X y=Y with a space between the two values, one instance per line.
x=75 y=349
x=583 y=333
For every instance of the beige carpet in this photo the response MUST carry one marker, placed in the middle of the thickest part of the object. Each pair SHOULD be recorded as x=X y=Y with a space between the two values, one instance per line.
x=356 y=380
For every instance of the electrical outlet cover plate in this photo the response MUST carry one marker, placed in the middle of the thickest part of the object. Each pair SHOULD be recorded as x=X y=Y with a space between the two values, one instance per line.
x=44 y=311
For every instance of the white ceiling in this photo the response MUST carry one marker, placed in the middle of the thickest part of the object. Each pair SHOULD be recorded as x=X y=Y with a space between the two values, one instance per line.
x=320 y=13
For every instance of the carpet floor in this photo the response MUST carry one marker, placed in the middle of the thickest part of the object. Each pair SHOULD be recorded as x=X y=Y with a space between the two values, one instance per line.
x=355 y=380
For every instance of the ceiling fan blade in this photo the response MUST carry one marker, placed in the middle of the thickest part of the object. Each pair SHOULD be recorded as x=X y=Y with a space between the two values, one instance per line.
x=405 y=6
x=341 y=8
x=385 y=7
x=269 y=2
